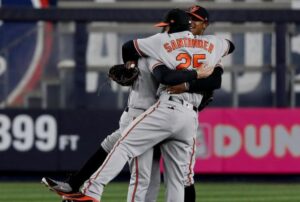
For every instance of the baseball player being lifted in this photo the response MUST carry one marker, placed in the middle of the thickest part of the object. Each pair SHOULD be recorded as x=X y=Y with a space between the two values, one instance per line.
x=143 y=89
x=172 y=117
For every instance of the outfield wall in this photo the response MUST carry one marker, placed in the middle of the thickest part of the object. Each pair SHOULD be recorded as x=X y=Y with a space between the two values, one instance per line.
x=52 y=140
x=229 y=140
x=249 y=141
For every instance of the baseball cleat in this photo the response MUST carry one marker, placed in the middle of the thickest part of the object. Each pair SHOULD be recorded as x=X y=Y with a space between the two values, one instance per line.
x=61 y=188
x=79 y=198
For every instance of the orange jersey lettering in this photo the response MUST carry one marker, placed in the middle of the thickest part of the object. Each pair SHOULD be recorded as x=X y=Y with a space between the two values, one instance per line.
x=189 y=43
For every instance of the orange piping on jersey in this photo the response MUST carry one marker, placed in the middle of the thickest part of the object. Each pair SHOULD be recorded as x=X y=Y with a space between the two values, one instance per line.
x=136 y=178
x=155 y=65
x=136 y=46
x=191 y=162
x=132 y=125
x=188 y=43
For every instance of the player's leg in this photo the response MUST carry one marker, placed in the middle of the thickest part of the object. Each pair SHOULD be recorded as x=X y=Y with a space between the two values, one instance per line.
x=179 y=155
x=172 y=180
x=178 y=174
x=94 y=161
x=155 y=179
x=190 y=192
x=140 y=169
x=189 y=189
x=145 y=176
x=143 y=133
x=97 y=158
x=74 y=182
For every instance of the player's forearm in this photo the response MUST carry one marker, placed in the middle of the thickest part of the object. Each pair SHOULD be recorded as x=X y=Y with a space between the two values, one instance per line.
x=166 y=76
x=210 y=83
x=129 y=53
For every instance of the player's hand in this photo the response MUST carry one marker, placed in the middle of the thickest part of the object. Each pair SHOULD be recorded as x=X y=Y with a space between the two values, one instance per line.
x=204 y=71
x=177 y=89
x=130 y=64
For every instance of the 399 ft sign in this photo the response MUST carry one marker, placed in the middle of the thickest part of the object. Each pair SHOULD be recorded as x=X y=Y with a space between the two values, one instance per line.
x=22 y=133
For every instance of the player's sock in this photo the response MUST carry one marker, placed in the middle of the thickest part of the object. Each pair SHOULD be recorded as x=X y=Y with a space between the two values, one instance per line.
x=92 y=164
x=190 y=193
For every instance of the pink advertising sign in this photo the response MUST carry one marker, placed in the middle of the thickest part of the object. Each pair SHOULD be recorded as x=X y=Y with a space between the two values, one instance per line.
x=248 y=140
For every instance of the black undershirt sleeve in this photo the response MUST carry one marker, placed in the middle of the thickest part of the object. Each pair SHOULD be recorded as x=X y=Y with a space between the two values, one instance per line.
x=207 y=84
x=129 y=53
x=231 y=47
x=166 y=76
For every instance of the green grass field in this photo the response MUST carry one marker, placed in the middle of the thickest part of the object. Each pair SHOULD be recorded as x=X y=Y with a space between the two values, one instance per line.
x=206 y=192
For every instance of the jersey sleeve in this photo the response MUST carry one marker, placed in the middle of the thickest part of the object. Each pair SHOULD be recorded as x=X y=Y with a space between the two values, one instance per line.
x=220 y=64
x=152 y=63
x=148 y=46
x=221 y=48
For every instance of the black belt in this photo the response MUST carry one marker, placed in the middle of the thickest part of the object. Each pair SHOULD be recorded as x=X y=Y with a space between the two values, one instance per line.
x=178 y=100
x=127 y=109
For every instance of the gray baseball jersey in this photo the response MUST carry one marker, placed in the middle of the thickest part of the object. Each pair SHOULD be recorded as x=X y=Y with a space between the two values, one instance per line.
x=171 y=118
x=183 y=50
x=142 y=93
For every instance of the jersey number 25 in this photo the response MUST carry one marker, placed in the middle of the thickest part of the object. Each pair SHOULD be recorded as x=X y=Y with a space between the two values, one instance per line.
x=186 y=60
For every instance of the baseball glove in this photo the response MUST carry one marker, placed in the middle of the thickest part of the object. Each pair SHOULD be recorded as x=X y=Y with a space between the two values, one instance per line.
x=122 y=75
x=208 y=97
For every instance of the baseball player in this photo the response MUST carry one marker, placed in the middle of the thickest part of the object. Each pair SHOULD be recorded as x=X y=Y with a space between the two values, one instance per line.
x=142 y=90
x=199 y=23
x=153 y=126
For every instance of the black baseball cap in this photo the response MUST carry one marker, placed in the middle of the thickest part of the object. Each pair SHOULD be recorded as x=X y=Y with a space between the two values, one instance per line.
x=175 y=18
x=198 y=13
